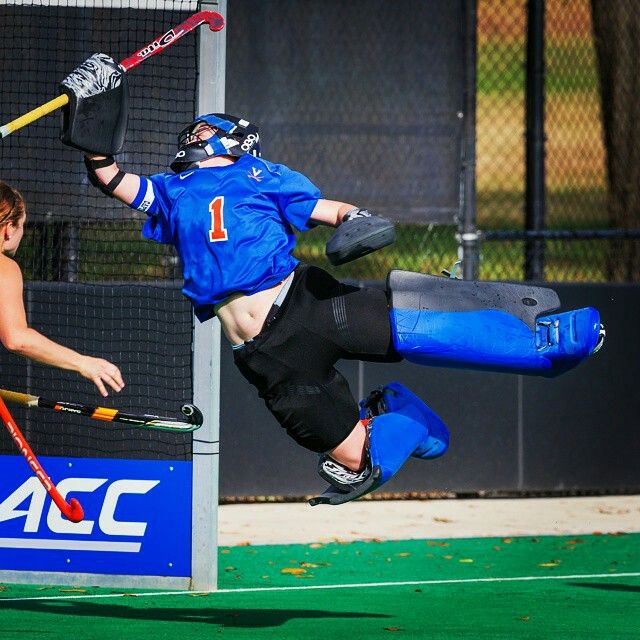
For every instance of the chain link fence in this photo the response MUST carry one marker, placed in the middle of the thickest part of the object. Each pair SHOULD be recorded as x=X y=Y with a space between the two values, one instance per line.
x=386 y=136
x=91 y=281
x=362 y=131
x=374 y=119
x=585 y=242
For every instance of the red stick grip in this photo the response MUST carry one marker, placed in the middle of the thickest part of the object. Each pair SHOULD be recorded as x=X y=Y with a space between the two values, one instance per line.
x=71 y=510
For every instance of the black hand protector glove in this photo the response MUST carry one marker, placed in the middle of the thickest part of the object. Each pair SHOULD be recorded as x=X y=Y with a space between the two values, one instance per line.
x=359 y=234
x=95 y=120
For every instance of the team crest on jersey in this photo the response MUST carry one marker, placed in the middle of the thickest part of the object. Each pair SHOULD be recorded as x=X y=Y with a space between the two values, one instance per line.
x=255 y=174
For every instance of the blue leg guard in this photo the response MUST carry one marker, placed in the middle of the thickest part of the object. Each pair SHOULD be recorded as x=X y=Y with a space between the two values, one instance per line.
x=400 y=427
x=490 y=326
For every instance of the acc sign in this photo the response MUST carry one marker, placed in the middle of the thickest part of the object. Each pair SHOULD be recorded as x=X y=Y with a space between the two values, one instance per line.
x=137 y=517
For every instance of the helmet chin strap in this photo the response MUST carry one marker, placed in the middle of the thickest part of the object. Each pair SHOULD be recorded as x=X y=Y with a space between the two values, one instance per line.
x=214 y=161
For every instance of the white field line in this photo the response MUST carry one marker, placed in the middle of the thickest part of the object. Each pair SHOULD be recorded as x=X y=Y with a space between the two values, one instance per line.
x=362 y=585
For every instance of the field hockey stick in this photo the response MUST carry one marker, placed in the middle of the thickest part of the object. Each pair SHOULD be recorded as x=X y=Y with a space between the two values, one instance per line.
x=71 y=510
x=212 y=18
x=191 y=412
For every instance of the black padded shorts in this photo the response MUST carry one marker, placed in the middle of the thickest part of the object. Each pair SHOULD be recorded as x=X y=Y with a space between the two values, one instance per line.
x=291 y=362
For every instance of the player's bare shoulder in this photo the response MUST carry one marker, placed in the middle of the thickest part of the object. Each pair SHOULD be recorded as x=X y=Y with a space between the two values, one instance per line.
x=9 y=271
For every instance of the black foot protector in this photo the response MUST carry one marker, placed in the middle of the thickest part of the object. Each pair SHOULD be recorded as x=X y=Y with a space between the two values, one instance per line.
x=345 y=484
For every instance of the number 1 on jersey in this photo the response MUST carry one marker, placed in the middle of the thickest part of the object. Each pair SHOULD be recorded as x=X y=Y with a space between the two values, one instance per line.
x=217 y=232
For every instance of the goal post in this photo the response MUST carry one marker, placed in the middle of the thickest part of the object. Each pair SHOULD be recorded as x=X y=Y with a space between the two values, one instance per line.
x=210 y=97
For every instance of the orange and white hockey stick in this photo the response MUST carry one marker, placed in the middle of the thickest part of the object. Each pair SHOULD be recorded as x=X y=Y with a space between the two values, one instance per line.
x=104 y=414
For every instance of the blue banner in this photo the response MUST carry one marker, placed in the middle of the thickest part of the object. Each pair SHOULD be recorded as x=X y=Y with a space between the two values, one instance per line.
x=137 y=517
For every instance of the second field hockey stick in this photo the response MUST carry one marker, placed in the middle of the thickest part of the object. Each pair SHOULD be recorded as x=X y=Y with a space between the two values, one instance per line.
x=71 y=510
x=212 y=18
x=191 y=412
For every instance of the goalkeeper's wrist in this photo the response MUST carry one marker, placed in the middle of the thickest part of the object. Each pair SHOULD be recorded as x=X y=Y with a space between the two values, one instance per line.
x=94 y=162
x=356 y=212
x=107 y=182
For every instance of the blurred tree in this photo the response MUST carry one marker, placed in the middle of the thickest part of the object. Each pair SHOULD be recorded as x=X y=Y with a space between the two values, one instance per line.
x=616 y=25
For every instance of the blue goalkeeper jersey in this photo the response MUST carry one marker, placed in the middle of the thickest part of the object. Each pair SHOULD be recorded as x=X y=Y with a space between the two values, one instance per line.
x=232 y=225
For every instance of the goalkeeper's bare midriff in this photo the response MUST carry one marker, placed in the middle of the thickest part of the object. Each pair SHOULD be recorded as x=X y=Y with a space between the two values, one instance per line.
x=242 y=317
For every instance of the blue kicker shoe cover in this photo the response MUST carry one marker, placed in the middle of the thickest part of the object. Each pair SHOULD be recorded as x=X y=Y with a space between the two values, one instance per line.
x=396 y=398
x=393 y=437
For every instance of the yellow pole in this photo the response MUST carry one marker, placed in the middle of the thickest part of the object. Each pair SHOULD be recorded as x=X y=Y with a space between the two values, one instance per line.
x=34 y=115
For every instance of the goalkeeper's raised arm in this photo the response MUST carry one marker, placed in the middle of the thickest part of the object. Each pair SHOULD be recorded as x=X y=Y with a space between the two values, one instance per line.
x=95 y=121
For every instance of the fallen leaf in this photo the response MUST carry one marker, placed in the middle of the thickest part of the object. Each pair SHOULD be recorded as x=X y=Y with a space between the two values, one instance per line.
x=524 y=618
x=293 y=570
x=447 y=557
x=437 y=543
x=554 y=563
x=507 y=540
x=467 y=560
x=73 y=590
x=316 y=545
x=392 y=628
x=402 y=555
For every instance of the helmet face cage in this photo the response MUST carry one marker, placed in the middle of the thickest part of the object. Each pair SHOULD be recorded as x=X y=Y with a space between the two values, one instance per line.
x=231 y=137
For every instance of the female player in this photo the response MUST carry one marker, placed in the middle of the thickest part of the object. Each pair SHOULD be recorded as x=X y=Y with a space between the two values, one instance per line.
x=15 y=334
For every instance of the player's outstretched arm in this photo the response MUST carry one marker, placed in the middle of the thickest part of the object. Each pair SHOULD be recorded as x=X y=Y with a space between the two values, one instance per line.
x=17 y=337
x=331 y=212
x=105 y=174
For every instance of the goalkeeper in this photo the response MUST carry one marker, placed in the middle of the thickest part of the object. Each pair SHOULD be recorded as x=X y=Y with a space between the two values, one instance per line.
x=231 y=214
x=15 y=334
